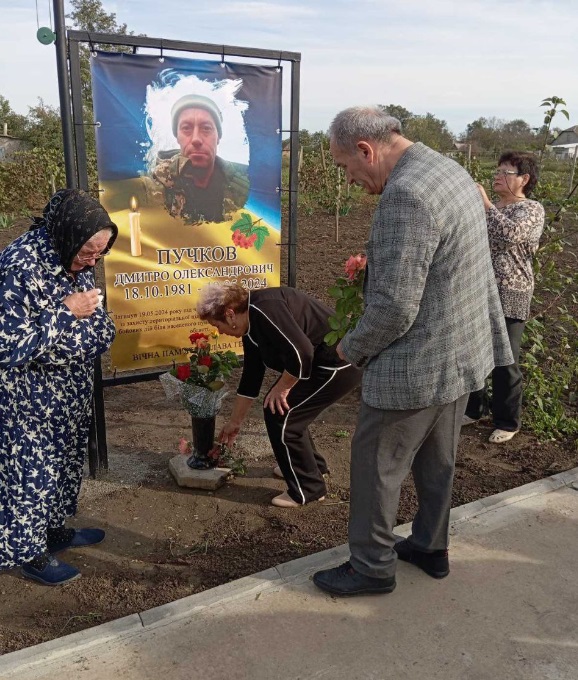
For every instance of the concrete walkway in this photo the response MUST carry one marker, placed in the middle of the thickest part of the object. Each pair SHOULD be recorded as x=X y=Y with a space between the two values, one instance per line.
x=508 y=610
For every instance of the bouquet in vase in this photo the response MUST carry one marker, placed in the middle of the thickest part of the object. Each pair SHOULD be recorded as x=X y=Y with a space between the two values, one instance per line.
x=200 y=383
x=199 y=386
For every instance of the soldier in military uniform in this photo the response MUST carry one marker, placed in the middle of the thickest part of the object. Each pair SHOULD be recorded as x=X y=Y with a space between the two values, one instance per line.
x=198 y=186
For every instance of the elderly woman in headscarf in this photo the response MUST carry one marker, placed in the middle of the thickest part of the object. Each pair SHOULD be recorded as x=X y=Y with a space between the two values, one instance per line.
x=52 y=326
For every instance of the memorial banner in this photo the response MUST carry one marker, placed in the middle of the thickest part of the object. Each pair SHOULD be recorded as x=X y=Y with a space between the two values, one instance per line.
x=189 y=166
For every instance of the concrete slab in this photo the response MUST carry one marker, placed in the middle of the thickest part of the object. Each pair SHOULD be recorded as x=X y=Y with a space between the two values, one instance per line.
x=521 y=492
x=509 y=609
x=303 y=567
x=250 y=586
x=11 y=665
x=568 y=476
x=197 y=479
x=464 y=512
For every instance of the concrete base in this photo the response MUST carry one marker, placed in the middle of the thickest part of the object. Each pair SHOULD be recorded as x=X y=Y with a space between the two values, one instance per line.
x=509 y=609
x=197 y=479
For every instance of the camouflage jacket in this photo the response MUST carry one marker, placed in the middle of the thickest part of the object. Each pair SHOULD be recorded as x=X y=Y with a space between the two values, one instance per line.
x=227 y=191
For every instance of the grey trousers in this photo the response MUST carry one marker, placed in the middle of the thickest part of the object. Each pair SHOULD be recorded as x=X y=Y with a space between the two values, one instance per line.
x=385 y=447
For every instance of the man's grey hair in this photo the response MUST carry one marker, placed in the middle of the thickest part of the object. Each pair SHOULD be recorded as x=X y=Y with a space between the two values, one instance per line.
x=357 y=123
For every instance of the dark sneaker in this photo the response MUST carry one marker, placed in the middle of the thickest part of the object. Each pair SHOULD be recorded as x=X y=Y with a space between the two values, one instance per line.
x=55 y=573
x=344 y=580
x=76 y=538
x=435 y=564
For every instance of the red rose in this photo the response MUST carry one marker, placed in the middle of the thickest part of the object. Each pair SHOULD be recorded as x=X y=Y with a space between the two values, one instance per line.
x=205 y=361
x=197 y=336
x=184 y=372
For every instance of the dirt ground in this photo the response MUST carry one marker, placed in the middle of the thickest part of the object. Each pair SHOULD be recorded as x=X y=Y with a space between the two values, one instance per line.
x=164 y=542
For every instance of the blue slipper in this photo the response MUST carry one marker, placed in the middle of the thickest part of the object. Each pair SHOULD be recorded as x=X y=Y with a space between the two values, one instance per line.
x=55 y=573
x=79 y=539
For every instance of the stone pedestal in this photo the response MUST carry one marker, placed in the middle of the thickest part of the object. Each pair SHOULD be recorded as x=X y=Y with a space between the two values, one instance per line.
x=197 y=479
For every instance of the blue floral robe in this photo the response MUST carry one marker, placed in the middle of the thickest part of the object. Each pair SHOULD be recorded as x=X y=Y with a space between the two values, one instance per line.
x=46 y=383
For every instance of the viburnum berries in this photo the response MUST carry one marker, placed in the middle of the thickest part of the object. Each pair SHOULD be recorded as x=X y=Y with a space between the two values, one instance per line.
x=243 y=241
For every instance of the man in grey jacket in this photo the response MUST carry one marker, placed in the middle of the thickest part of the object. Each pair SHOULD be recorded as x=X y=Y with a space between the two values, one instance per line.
x=431 y=331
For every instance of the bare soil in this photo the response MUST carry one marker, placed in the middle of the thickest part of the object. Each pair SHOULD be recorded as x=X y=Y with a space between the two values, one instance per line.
x=164 y=542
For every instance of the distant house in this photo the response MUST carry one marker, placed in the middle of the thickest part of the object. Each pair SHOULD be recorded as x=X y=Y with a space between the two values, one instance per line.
x=9 y=145
x=566 y=143
x=468 y=149
x=462 y=147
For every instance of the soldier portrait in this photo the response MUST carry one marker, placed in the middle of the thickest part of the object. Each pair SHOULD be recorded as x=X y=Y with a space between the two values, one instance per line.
x=189 y=167
x=196 y=184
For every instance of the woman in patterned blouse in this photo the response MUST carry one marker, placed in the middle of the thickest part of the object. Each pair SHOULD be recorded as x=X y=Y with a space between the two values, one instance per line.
x=52 y=326
x=515 y=224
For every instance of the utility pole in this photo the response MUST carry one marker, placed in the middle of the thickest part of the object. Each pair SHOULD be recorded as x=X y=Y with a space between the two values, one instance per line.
x=64 y=94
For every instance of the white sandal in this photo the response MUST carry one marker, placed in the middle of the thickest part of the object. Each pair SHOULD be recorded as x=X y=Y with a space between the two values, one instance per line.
x=284 y=500
x=501 y=436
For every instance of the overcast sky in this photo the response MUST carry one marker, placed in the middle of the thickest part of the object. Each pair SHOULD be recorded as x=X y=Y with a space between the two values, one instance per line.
x=458 y=59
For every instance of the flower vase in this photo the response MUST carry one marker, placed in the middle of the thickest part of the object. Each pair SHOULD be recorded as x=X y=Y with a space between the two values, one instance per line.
x=203 y=440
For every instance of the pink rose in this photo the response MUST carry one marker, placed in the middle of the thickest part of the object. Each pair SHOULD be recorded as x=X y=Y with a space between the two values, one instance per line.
x=184 y=446
x=354 y=264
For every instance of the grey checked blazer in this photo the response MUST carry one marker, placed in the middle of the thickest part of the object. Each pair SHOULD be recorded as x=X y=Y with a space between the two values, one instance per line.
x=433 y=327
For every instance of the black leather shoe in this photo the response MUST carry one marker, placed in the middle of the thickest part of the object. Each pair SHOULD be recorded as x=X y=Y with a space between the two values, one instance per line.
x=435 y=564
x=344 y=580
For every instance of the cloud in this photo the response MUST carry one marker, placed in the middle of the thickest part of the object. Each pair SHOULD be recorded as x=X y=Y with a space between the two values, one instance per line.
x=28 y=68
x=459 y=59
x=262 y=11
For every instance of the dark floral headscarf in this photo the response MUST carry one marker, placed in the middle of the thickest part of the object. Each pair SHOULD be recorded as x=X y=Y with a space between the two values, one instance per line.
x=72 y=218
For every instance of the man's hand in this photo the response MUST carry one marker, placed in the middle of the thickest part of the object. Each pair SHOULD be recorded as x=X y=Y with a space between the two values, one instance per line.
x=340 y=354
x=82 y=305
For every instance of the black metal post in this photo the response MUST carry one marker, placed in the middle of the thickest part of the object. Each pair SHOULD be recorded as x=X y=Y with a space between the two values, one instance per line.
x=99 y=417
x=78 y=115
x=64 y=93
x=293 y=173
x=180 y=45
x=92 y=452
x=97 y=446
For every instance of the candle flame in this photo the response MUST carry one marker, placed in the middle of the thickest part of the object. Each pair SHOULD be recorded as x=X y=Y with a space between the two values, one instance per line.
x=133 y=204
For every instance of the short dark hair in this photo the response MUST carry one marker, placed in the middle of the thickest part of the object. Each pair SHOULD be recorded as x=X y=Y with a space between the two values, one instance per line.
x=526 y=164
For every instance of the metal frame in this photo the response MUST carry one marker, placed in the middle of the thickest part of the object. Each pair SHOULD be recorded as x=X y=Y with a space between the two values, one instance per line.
x=68 y=63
